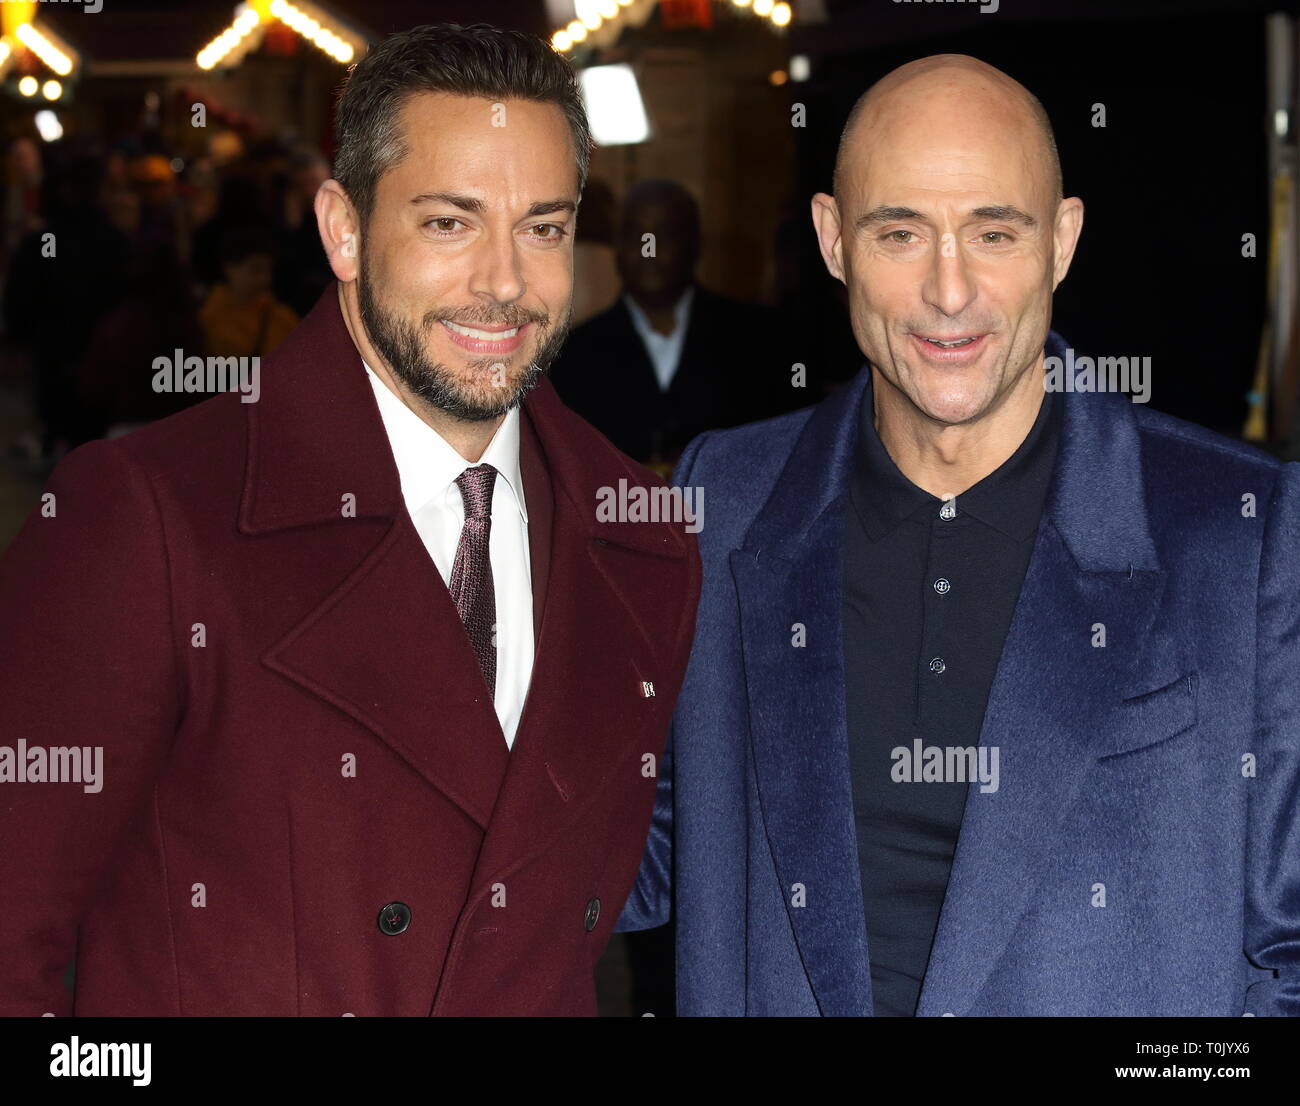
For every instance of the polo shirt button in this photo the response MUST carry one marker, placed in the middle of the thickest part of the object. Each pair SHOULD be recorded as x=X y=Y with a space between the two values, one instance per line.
x=937 y=665
x=942 y=586
x=592 y=916
x=394 y=918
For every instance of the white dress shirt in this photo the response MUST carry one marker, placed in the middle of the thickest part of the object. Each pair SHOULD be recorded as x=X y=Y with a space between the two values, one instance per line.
x=664 y=350
x=428 y=467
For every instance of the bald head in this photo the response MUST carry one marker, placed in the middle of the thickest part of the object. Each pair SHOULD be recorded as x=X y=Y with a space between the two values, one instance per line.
x=950 y=233
x=949 y=95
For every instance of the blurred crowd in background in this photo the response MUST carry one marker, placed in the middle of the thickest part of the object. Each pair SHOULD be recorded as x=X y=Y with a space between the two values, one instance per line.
x=221 y=257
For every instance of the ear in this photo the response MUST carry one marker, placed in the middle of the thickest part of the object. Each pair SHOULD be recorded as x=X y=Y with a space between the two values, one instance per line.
x=826 y=221
x=1065 y=235
x=339 y=231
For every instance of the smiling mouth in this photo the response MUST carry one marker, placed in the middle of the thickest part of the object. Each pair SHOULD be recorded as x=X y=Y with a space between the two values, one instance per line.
x=481 y=335
x=950 y=343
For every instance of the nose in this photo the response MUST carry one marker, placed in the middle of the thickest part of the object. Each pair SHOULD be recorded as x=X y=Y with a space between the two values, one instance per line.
x=498 y=272
x=949 y=285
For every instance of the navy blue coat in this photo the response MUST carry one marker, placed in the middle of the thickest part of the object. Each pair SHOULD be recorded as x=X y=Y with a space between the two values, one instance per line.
x=1161 y=770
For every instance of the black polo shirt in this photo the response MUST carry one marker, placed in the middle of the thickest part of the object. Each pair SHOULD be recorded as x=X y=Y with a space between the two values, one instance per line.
x=929 y=590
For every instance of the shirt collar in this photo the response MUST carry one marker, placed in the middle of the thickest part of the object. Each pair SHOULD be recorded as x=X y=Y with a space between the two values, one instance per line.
x=1010 y=499
x=428 y=465
x=681 y=312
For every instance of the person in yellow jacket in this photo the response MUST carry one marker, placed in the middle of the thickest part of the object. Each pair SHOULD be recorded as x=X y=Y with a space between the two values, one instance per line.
x=241 y=316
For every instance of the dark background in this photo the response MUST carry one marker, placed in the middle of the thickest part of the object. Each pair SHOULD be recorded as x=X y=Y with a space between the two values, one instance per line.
x=1176 y=177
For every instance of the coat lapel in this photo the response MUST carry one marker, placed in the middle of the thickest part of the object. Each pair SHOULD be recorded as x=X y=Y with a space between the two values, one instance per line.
x=377 y=635
x=787 y=578
x=381 y=640
x=1056 y=696
x=539 y=497
x=599 y=640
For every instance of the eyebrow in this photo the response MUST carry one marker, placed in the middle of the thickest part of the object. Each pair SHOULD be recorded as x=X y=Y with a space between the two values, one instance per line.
x=475 y=205
x=1003 y=212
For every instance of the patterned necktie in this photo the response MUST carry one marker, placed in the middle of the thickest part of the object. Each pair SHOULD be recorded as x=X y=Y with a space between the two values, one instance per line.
x=471 y=572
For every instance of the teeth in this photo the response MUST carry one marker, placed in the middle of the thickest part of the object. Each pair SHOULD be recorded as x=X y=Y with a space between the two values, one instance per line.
x=481 y=335
x=950 y=345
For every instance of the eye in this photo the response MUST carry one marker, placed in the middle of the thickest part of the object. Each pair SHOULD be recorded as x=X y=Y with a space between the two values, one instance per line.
x=443 y=224
x=996 y=237
x=892 y=236
x=548 y=231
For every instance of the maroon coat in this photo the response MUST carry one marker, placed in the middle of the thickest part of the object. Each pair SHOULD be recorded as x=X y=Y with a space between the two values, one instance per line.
x=234 y=863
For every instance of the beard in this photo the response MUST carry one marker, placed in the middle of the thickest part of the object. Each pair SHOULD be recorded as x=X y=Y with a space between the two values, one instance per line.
x=405 y=350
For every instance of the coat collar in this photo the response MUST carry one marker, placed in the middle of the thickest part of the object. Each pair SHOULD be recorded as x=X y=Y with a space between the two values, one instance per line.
x=376 y=634
x=316 y=428
x=1098 y=471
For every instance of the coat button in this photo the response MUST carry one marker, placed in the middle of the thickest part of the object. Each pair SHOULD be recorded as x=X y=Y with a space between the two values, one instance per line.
x=592 y=916
x=394 y=918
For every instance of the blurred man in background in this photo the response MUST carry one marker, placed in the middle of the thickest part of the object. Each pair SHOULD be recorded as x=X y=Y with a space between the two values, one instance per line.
x=671 y=359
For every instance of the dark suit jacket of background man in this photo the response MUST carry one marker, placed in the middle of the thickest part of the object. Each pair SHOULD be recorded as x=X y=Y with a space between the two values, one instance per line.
x=231 y=865
x=735 y=367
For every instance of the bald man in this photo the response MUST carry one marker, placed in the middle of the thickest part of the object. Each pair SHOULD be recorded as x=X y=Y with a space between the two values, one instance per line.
x=993 y=704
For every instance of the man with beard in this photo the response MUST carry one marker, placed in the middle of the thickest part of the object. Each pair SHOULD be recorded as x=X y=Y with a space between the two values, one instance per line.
x=378 y=699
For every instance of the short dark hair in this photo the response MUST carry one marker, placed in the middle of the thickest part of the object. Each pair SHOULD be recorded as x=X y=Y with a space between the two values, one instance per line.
x=478 y=60
x=670 y=194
